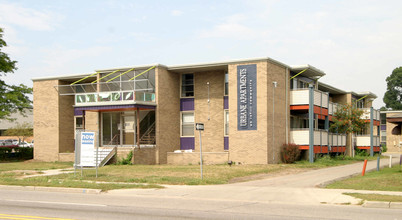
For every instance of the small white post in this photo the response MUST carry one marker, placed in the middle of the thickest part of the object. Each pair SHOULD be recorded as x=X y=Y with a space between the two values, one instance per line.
x=390 y=161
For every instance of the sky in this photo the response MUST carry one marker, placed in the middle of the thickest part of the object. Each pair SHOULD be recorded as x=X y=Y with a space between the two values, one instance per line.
x=354 y=42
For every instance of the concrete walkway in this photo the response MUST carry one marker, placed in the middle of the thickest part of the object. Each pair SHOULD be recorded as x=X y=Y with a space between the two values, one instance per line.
x=298 y=188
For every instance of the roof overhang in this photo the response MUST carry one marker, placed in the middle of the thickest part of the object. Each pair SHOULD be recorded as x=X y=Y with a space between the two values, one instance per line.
x=332 y=90
x=311 y=71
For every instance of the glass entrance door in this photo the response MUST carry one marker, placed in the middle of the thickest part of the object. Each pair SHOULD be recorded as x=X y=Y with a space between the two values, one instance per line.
x=111 y=127
x=129 y=128
x=118 y=128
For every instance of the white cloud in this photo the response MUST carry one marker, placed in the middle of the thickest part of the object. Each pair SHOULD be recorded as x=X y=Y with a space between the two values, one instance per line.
x=27 y=17
x=232 y=26
x=176 y=12
x=62 y=60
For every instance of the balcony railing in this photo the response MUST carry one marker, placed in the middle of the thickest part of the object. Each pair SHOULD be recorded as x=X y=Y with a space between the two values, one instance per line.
x=366 y=114
x=321 y=137
x=110 y=98
x=333 y=107
x=301 y=97
x=364 y=141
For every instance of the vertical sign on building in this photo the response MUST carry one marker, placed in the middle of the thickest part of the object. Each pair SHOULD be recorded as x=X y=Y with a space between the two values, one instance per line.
x=247 y=97
x=87 y=149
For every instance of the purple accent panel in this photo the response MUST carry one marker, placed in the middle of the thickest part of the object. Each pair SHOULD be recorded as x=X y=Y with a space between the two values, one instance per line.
x=187 y=143
x=187 y=104
x=77 y=112
x=383 y=127
x=226 y=143
x=225 y=102
x=111 y=107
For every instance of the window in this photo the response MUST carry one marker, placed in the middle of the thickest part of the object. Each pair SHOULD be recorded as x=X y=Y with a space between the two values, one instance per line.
x=226 y=121
x=383 y=136
x=187 y=124
x=226 y=84
x=187 y=85
x=303 y=84
x=360 y=104
x=78 y=123
x=383 y=118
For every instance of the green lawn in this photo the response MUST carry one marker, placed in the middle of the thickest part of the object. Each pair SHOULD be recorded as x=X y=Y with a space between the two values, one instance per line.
x=376 y=197
x=387 y=179
x=146 y=176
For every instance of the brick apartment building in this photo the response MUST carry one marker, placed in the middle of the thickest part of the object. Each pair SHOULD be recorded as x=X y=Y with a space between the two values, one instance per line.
x=249 y=107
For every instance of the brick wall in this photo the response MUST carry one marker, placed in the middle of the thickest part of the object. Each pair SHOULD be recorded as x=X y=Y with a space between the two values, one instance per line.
x=212 y=136
x=167 y=113
x=194 y=158
x=46 y=120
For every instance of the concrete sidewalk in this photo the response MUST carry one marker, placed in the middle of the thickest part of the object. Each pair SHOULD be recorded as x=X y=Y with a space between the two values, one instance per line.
x=298 y=188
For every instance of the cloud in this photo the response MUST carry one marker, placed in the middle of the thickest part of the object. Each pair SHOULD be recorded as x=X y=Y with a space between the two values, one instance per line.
x=58 y=59
x=232 y=26
x=27 y=17
x=176 y=12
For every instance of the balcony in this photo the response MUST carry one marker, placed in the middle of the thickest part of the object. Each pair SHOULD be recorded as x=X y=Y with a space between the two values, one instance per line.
x=323 y=140
x=301 y=97
x=333 y=107
x=363 y=141
x=110 y=93
x=366 y=114
x=114 y=98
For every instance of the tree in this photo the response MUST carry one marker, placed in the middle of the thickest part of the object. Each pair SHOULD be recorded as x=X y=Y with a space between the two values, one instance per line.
x=22 y=131
x=347 y=119
x=13 y=98
x=393 y=95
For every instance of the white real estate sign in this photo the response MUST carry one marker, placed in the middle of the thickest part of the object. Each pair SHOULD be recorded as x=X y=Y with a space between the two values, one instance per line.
x=87 y=149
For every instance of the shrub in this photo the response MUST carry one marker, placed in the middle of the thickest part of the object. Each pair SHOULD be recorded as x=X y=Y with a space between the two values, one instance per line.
x=384 y=148
x=290 y=153
x=5 y=152
x=127 y=160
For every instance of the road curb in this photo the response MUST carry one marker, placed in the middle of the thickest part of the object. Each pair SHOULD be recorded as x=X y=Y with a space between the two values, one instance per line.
x=377 y=204
x=52 y=189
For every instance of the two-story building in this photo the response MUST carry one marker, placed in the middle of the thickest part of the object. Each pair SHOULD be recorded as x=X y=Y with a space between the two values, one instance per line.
x=249 y=108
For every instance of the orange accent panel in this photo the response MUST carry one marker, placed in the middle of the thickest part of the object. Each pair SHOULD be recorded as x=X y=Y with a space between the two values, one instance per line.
x=299 y=107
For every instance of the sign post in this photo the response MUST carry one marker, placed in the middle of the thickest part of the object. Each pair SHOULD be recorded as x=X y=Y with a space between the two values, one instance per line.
x=200 y=127
x=84 y=151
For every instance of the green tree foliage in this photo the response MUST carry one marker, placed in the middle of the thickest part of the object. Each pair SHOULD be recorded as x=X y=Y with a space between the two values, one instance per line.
x=393 y=95
x=22 y=131
x=13 y=98
x=347 y=119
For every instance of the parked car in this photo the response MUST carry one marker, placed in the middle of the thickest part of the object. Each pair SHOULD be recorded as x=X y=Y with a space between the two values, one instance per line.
x=25 y=144
x=8 y=143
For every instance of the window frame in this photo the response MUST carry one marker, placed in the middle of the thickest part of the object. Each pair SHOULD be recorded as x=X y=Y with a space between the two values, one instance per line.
x=181 y=123
x=181 y=85
x=226 y=87
x=226 y=123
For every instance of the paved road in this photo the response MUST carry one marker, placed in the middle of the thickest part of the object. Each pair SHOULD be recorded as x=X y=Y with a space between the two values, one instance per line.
x=107 y=206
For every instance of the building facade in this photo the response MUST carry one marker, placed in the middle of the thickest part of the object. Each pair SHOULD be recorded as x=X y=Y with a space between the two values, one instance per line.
x=249 y=109
x=391 y=122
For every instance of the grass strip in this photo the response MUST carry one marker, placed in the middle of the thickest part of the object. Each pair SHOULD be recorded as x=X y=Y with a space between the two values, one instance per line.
x=376 y=197
x=387 y=179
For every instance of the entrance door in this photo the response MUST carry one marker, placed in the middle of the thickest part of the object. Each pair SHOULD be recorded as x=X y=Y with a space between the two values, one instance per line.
x=111 y=127
x=129 y=128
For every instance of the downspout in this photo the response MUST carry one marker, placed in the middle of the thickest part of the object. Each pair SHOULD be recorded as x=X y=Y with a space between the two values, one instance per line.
x=311 y=124
x=371 y=132
x=287 y=104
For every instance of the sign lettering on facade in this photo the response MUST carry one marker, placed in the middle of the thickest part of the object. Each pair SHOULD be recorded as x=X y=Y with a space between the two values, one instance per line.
x=247 y=97
x=87 y=149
